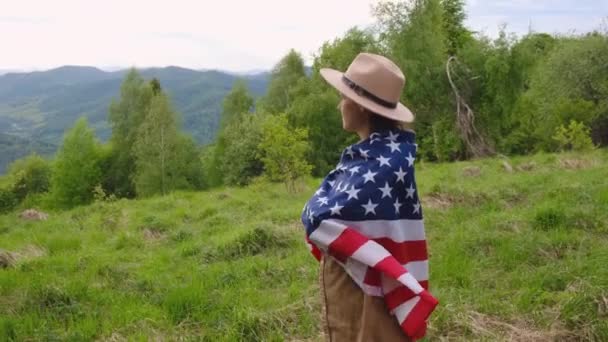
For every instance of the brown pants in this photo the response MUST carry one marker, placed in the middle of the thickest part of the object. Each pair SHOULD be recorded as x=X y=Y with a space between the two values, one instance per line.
x=349 y=315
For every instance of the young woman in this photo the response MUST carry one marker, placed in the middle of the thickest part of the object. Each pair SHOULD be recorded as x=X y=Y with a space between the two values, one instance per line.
x=364 y=223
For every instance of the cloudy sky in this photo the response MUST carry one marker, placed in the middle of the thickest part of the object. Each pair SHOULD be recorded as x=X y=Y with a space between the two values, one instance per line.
x=235 y=35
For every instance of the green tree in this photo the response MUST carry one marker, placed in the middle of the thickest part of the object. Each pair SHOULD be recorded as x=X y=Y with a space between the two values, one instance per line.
x=155 y=150
x=572 y=84
x=239 y=161
x=283 y=78
x=453 y=25
x=283 y=150
x=236 y=102
x=125 y=117
x=76 y=167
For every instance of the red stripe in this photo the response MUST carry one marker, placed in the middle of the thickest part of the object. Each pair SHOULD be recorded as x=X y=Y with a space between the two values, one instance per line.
x=405 y=251
x=346 y=244
x=401 y=294
x=414 y=324
x=316 y=252
x=391 y=267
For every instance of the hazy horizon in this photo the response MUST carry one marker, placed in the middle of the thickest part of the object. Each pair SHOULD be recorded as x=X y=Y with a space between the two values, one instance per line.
x=233 y=36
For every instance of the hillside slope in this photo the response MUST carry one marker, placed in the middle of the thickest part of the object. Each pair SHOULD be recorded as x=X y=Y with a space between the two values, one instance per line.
x=40 y=106
x=518 y=252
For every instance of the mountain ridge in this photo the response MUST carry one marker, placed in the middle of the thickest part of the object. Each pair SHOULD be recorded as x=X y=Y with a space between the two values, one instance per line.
x=39 y=106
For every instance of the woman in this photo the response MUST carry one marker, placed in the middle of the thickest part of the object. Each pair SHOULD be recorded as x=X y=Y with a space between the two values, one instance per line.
x=364 y=223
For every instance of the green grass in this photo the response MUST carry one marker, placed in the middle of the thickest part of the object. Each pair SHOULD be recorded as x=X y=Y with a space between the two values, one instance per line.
x=515 y=255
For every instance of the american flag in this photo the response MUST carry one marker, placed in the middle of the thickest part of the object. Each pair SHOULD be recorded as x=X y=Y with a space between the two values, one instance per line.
x=367 y=215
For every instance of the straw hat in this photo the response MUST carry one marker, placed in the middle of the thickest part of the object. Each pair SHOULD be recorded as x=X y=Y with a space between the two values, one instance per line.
x=374 y=82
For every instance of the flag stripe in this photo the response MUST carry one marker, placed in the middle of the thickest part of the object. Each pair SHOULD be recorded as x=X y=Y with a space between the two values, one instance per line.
x=400 y=294
x=405 y=251
x=397 y=230
x=346 y=244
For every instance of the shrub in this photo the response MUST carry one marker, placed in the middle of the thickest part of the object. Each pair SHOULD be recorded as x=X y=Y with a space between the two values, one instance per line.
x=575 y=137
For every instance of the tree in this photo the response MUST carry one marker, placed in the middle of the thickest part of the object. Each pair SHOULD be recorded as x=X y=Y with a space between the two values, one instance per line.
x=453 y=25
x=125 y=117
x=284 y=76
x=236 y=102
x=282 y=150
x=239 y=161
x=155 y=150
x=76 y=168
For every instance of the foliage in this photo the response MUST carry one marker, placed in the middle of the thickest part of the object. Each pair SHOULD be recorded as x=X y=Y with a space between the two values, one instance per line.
x=574 y=137
x=125 y=116
x=76 y=168
x=30 y=175
x=283 y=150
x=237 y=102
x=239 y=161
x=283 y=77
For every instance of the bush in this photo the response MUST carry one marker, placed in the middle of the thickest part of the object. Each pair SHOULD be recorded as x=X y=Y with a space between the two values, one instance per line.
x=30 y=175
x=283 y=151
x=575 y=137
x=8 y=200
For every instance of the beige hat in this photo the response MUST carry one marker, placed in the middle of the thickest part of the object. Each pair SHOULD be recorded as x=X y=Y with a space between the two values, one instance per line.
x=374 y=82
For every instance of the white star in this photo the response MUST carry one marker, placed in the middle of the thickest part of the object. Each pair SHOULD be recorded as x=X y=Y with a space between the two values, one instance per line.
x=400 y=174
x=352 y=193
x=322 y=200
x=394 y=146
x=335 y=210
x=374 y=140
x=331 y=183
x=364 y=153
x=391 y=136
x=311 y=216
x=370 y=207
x=384 y=161
x=410 y=191
x=344 y=188
x=386 y=190
x=350 y=152
x=318 y=192
x=397 y=205
x=417 y=208
x=369 y=176
x=410 y=160
x=353 y=170
x=374 y=134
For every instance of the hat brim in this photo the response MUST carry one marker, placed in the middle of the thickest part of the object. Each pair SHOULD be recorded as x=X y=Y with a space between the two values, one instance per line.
x=399 y=113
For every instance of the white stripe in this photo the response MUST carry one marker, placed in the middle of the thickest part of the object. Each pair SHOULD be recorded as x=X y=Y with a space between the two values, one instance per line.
x=396 y=230
x=408 y=280
x=419 y=269
x=370 y=253
x=327 y=232
x=403 y=310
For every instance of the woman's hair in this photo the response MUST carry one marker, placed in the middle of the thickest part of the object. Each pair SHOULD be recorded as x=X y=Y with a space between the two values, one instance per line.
x=378 y=122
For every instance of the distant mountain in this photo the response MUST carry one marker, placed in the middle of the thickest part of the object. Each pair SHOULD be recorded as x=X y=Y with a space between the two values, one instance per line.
x=37 y=107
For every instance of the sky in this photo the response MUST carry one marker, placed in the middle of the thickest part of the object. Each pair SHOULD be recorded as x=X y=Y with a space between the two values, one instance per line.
x=230 y=35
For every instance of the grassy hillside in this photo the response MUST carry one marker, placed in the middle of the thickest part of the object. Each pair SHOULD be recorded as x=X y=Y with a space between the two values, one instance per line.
x=518 y=252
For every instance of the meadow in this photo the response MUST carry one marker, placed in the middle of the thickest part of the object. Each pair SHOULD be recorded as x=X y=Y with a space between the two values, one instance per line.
x=517 y=252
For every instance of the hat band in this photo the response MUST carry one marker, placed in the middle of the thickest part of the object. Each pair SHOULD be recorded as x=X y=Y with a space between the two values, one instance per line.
x=363 y=92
